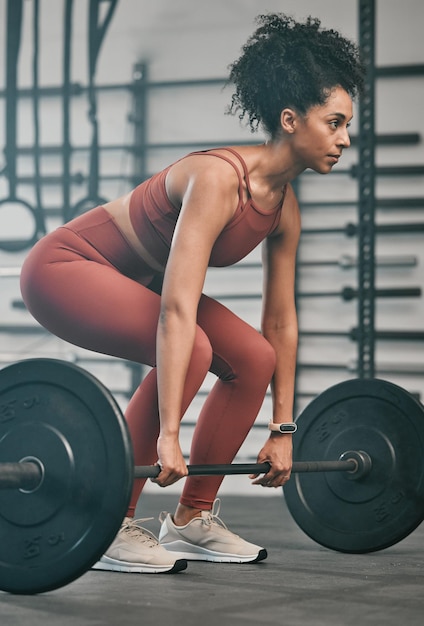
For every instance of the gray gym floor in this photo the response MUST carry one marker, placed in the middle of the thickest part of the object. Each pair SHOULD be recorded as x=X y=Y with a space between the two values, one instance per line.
x=300 y=583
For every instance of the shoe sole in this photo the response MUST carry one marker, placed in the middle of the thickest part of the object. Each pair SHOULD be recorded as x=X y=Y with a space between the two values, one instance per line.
x=111 y=565
x=195 y=553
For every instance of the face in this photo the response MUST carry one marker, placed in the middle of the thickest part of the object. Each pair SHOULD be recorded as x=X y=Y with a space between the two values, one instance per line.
x=319 y=137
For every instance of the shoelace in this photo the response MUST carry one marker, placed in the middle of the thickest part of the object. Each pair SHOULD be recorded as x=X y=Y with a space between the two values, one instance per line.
x=133 y=529
x=212 y=516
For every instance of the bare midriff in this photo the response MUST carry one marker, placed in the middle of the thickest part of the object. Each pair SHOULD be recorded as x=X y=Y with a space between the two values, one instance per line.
x=119 y=210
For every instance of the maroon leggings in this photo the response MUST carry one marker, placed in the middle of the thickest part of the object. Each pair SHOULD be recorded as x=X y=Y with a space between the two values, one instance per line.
x=85 y=284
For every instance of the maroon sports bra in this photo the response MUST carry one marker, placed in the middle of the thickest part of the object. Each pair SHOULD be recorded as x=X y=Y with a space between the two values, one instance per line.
x=153 y=218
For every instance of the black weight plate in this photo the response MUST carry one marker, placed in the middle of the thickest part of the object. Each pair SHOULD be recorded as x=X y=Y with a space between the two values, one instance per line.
x=378 y=510
x=65 y=418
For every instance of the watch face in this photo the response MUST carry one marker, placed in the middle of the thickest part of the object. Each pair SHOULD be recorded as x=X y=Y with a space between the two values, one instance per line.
x=288 y=428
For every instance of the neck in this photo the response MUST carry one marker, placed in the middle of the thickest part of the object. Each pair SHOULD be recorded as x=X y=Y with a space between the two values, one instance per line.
x=277 y=165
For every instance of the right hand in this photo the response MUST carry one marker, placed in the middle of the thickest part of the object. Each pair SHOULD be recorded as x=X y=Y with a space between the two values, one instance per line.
x=171 y=461
x=277 y=451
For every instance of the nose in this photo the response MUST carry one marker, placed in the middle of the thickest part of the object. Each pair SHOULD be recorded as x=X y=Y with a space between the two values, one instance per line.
x=344 y=141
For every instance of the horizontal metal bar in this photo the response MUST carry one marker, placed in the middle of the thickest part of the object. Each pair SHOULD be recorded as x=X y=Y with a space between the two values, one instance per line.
x=400 y=369
x=195 y=145
x=350 y=293
x=346 y=293
x=25 y=475
x=151 y=471
x=392 y=170
x=400 y=71
x=76 y=179
x=79 y=178
x=406 y=203
x=352 y=334
x=396 y=369
x=9 y=357
x=348 y=262
x=77 y=88
x=380 y=203
x=10 y=272
x=385 y=170
x=23 y=329
x=386 y=139
x=298 y=394
x=57 y=149
x=344 y=262
x=50 y=91
x=351 y=229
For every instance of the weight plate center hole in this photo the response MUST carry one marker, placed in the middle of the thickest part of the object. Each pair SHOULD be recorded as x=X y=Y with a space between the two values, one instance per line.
x=362 y=461
x=35 y=461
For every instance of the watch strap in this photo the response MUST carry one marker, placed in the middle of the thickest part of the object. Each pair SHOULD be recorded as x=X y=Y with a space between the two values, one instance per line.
x=285 y=427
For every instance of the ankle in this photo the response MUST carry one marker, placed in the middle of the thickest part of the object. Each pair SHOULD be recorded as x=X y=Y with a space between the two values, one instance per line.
x=184 y=514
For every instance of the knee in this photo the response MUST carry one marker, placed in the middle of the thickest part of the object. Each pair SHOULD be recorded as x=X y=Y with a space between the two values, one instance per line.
x=31 y=283
x=260 y=358
x=253 y=361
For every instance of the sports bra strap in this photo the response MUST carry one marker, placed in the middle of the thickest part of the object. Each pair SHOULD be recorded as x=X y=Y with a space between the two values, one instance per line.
x=236 y=154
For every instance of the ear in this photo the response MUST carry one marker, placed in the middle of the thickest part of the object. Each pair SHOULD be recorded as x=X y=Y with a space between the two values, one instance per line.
x=288 y=120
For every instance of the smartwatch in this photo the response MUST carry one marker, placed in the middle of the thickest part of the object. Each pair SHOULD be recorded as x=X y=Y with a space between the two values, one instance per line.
x=288 y=427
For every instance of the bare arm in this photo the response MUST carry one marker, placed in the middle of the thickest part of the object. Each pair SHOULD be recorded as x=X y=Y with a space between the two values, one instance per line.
x=206 y=208
x=279 y=326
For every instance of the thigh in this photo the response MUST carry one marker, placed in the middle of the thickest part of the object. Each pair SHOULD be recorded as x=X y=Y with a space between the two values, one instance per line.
x=79 y=296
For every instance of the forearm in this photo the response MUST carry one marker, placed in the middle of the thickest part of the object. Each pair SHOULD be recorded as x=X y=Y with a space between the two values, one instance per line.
x=278 y=448
x=284 y=340
x=175 y=339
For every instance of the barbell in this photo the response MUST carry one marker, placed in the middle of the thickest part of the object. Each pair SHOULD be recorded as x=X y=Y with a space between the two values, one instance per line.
x=346 y=293
x=66 y=470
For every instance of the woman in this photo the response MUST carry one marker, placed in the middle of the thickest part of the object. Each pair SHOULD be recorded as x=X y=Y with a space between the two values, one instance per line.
x=126 y=279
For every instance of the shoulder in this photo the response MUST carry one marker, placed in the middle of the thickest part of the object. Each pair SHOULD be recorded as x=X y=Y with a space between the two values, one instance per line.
x=204 y=174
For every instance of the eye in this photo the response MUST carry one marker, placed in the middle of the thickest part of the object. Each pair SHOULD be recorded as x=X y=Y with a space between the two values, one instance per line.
x=336 y=123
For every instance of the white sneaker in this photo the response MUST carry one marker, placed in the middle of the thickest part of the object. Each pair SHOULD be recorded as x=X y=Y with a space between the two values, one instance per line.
x=207 y=538
x=135 y=549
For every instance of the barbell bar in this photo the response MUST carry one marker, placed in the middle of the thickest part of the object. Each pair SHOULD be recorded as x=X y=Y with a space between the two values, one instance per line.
x=385 y=170
x=28 y=475
x=347 y=261
x=344 y=262
x=345 y=293
x=380 y=203
x=392 y=369
x=351 y=333
x=65 y=446
x=351 y=230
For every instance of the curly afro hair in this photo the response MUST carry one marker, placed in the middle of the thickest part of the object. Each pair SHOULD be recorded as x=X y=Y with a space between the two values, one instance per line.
x=286 y=63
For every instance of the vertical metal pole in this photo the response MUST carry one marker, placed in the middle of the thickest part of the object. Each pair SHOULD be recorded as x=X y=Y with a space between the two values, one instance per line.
x=296 y=186
x=139 y=173
x=366 y=182
x=138 y=118
x=66 y=108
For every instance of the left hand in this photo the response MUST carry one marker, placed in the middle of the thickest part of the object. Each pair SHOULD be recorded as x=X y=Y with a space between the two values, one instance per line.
x=170 y=460
x=278 y=452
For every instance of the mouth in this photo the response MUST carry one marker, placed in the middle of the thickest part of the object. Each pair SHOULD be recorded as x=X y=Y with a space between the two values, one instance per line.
x=334 y=157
